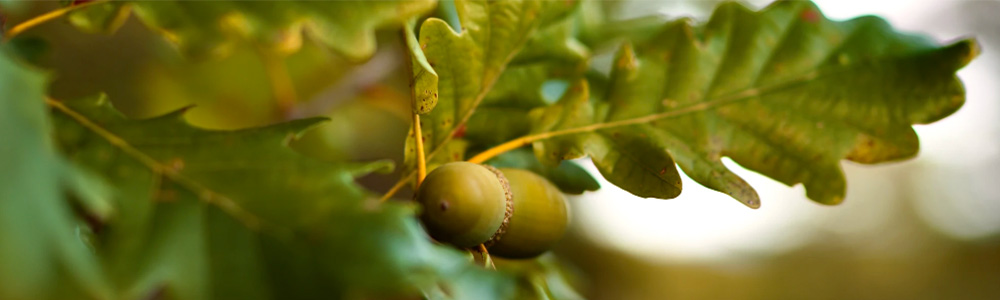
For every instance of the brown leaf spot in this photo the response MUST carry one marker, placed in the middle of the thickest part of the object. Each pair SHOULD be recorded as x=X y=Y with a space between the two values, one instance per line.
x=176 y=164
x=865 y=150
x=166 y=195
x=663 y=171
x=810 y=16
x=460 y=131
x=157 y=293
x=669 y=103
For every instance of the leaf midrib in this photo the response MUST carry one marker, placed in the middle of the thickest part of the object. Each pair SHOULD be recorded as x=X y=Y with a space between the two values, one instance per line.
x=202 y=192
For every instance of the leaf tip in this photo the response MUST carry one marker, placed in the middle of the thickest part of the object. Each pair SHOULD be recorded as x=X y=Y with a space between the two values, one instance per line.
x=970 y=49
x=752 y=202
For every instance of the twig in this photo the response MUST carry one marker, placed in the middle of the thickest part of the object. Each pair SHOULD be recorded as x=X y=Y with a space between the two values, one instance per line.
x=487 y=260
x=418 y=135
x=41 y=19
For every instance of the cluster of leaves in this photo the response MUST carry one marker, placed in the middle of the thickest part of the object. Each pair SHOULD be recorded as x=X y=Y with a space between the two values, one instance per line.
x=784 y=92
x=96 y=205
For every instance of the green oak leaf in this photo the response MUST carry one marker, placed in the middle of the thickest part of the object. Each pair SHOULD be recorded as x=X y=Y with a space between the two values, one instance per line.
x=41 y=253
x=210 y=214
x=210 y=28
x=784 y=92
x=468 y=64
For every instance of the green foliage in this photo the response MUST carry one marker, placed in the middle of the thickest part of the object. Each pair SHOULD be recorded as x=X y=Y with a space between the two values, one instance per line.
x=41 y=255
x=784 y=92
x=470 y=63
x=187 y=198
x=211 y=28
x=96 y=205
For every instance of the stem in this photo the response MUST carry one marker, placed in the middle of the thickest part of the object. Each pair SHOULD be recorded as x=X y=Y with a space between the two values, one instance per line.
x=419 y=140
x=158 y=169
x=41 y=19
x=487 y=261
x=720 y=101
x=395 y=188
x=528 y=139
x=418 y=135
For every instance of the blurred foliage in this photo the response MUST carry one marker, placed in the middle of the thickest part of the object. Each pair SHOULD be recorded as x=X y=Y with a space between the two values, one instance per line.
x=201 y=183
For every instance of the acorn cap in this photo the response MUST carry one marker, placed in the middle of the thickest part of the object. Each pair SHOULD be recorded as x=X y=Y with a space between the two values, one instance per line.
x=539 y=220
x=464 y=204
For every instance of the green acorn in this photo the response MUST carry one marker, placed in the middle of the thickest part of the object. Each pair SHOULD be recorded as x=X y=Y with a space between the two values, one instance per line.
x=516 y=213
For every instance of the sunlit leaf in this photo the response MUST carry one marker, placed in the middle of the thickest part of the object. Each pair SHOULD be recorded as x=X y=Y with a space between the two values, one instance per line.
x=784 y=92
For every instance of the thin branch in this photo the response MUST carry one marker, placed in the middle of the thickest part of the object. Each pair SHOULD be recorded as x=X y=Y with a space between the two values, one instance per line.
x=43 y=18
x=487 y=260
x=398 y=186
x=714 y=103
x=419 y=141
x=202 y=192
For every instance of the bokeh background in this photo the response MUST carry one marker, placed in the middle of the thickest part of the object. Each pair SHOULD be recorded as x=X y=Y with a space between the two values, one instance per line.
x=926 y=228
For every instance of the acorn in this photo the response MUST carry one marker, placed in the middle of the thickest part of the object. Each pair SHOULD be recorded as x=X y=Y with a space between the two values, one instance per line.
x=515 y=213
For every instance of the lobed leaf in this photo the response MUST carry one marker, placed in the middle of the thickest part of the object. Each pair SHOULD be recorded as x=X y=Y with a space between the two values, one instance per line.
x=783 y=91
x=209 y=28
x=237 y=214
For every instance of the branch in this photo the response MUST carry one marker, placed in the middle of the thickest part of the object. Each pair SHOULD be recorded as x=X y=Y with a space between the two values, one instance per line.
x=43 y=18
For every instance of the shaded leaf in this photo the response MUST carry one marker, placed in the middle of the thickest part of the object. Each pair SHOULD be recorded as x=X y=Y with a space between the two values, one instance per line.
x=40 y=255
x=784 y=92
x=541 y=278
x=210 y=28
x=237 y=214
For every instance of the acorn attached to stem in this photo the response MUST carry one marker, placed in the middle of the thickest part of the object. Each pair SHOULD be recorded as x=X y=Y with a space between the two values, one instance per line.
x=515 y=213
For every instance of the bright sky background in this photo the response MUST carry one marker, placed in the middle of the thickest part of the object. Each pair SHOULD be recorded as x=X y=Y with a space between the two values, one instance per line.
x=958 y=163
